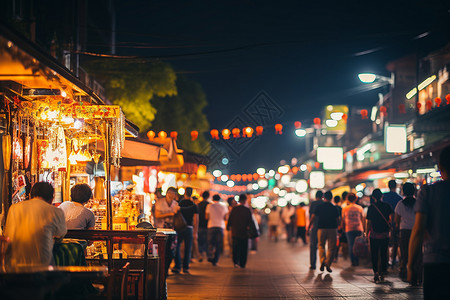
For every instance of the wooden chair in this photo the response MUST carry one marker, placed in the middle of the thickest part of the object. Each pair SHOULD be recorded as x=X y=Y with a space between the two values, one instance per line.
x=118 y=283
x=4 y=244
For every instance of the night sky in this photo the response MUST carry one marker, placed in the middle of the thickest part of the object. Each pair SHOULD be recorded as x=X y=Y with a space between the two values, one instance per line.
x=303 y=55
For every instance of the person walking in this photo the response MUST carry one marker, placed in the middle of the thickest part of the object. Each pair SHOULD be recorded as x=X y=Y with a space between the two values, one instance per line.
x=378 y=226
x=301 y=222
x=327 y=224
x=216 y=214
x=203 y=226
x=404 y=221
x=392 y=198
x=288 y=219
x=352 y=224
x=240 y=221
x=190 y=213
x=274 y=222
x=312 y=230
x=432 y=229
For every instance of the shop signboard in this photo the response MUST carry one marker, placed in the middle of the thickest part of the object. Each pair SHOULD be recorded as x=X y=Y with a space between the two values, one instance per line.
x=395 y=138
x=331 y=157
x=317 y=180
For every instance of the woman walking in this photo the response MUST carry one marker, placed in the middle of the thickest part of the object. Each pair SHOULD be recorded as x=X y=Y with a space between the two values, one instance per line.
x=352 y=224
x=378 y=227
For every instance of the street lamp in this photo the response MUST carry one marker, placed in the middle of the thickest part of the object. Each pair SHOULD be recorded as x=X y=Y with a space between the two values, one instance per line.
x=372 y=78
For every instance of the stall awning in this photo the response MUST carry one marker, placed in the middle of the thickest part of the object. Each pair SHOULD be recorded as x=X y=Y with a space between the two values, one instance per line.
x=138 y=152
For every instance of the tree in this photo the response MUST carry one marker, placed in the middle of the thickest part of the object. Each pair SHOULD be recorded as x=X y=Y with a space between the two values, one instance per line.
x=133 y=85
x=184 y=113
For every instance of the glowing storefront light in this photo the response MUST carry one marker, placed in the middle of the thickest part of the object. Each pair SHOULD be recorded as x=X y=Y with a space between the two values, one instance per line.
x=230 y=183
x=317 y=180
x=331 y=123
x=283 y=169
x=395 y=139
x=261 y=171
x=217 y=173
x=331 y=157
x=300 y=132
x=282 y=202
x=301 y=186
x=421 y=86
x=224 y=178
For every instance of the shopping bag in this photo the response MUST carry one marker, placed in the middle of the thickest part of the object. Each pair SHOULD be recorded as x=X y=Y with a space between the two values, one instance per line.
x=253 y=229
x=360 y=247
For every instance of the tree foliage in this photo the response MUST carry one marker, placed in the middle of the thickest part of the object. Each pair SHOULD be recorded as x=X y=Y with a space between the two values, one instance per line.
x=133 y=85
x=184 y=113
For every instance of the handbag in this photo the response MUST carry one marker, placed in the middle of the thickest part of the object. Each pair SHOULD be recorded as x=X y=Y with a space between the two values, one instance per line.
x=253 y=230
x=179 y=222
x=360 y=247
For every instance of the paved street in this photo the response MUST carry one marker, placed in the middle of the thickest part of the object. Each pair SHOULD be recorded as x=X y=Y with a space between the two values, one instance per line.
x=281 y=271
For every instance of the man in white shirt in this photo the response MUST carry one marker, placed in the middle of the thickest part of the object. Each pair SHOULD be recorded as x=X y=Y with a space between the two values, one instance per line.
x=33 y=225
x=216 y=214
x=77 y=216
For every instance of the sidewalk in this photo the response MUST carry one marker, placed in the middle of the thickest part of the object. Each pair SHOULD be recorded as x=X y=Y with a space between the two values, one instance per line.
x=281 y=271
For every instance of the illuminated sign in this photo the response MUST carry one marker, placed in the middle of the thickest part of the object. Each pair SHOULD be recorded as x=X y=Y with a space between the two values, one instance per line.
x=331 y=157
x=395 y=139
x=317 y=180
x=335 y=117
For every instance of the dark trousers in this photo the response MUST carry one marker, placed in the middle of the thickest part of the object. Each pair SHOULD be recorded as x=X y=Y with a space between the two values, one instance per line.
x=202 y=240
x=240 y=251
x=313 y=247
x=215 y=243
x=290 y=232
x=379 y=253
x=171 y=245
x=301 y=233
x=405 y=235
x=436 y=281
x=185 y=236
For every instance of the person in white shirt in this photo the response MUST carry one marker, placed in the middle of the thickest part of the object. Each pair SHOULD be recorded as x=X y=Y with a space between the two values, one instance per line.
x=32 y=226
x=216 y=214
x=78 y=216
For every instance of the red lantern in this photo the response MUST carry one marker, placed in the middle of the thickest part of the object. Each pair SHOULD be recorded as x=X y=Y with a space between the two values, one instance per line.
x=278 y=129
x=151 y=135
x=255 y=176
x=298 y=125
x=364 y=114
x=162 y=134
x=429 y=104
x=244 y=177
x=295 y=170
x=344 y=117
x=383 y=110
x=438 y=101
x=317 y=165
x=215 y=134
x=194 y=135
x=174 y=135
x=418 y=106
x=447 y=97
x=233 y=177
x=236 y=132
x=247 y=132
x=238 y=177
x=226 y=134
x=401 y=108
x=317 y=122
x=259 y=129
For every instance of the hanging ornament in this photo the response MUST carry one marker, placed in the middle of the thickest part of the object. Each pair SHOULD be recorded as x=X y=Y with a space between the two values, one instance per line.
x=298 y=125
x=418 y=106
x=447 y=97
x=345 y=117
x=255 y=176
x=278 y=129
x=174 y=135
x=438 y=101
x=259 y=130
x=295 y=170
x=244 y=177
x=238 y=177
x=194 y=134
x=236 y=132
x=162 y=134
x=249 y=177
x=233 y=177
x=317 y=165
x=364 y=114
x=401 y=108
x=247 y=132
x=151 y=135
x=226 y=134
x=215 y=134
x=429 y=104
x=316 y=122
x=383 y=110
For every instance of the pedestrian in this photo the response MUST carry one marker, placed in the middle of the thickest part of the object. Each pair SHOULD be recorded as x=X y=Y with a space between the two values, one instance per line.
x=32 y=227
x=274 y=222
x=216 y=214
x=231 y=203
x=288 y=219
x=165 y=209
x=240 y=221
x=190 y=213
x=379 y=215
x=432 y=228
x=301 y=222
x=404 y=221
x=392 y=198
x=352 y=224
x=341 y=237
x=203 y=226
x=312 y=230
x=327 y=224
